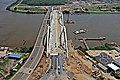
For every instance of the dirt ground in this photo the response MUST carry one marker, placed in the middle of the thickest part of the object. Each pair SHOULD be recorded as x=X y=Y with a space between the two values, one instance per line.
x=81 y=67
x=78 y=65
x=41 y=69
x=112 y=53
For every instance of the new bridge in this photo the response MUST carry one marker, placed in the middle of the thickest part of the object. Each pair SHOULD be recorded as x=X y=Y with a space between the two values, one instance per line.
x=57 y=49
x=52 y=37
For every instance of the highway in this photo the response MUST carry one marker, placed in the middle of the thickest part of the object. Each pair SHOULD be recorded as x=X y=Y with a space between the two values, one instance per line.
x=33 y=60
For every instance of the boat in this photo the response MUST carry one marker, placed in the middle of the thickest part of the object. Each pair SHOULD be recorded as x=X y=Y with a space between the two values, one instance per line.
x=80 y=31
x=69 y=22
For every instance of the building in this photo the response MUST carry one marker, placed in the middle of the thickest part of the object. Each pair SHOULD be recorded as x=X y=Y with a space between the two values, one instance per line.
x=114 y=69
x=113 y=66
x=102 y=67
x=15 y=56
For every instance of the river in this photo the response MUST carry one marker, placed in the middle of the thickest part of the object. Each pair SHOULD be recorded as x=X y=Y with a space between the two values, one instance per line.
x=16 y=27
x=97 y=25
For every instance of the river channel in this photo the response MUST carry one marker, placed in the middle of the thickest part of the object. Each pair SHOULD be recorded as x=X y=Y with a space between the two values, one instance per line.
x=15 y=28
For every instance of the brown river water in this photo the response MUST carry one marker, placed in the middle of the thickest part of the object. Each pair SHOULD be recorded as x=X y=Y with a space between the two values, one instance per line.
x=15 y=28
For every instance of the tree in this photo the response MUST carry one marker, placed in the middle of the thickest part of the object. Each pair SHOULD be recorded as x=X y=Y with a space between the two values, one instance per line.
x=86 y=9
x=15 y=8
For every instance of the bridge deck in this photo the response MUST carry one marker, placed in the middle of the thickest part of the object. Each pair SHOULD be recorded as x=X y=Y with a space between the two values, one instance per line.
x=55 y=28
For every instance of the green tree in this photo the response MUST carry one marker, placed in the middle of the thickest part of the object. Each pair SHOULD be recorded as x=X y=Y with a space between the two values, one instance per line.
x=15 y=8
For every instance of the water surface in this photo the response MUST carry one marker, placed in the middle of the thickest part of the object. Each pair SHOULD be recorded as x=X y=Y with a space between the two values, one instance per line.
x=16 y=27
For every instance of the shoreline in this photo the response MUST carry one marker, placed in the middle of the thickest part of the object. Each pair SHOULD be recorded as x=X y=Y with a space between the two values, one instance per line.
x=14 y=7
x=17 y=7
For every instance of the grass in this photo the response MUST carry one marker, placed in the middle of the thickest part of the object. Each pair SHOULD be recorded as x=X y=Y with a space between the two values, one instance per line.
x=9 y=76
x=97 y=9
x=4 y=63
x=29 y=8
x=44 y=2
x=3 y=72
x=103 y=47
x=102 y=12
x=24 y=8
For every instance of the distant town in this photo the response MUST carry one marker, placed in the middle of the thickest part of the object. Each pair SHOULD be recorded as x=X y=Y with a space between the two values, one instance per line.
x=53 y=56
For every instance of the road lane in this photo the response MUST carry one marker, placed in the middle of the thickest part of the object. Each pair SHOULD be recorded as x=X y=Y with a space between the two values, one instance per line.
x=24 y=77
x=37 y=58
x=29 y=66
x=18 y=76
x=32 y=56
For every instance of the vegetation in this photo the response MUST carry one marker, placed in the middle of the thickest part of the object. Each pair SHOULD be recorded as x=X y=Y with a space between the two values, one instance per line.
x=104 y=9
x=81 y=48
x=9 y=76
x=98 y=8
x=13 y=4
x=4 y=63
x=103 y=47
x=34 y=6
x=30 y=8
x=114 y=73
x=117 y=74
x=44 y=2
x=22 y=49
x=102 y=12
x=106 y=46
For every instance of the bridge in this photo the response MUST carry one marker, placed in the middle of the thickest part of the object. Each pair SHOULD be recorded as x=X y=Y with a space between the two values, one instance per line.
x=51 y=37
x=33 y=60
x=57 y=49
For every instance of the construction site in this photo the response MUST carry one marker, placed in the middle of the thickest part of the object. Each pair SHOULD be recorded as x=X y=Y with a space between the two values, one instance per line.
x=78 y=66
x=83 y=67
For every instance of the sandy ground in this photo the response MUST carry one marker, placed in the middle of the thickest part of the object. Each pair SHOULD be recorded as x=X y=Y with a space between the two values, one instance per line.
x=111 y=53
x=78 y=65
x=41 y=69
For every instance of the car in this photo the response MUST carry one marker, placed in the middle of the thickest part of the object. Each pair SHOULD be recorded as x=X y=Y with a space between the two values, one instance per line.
x=58 y=71
x=68 y=77
x=58 y=67
x=15 y=70
x=31 y=58
x=52 y=67
x=63 y=68
x=30 y=71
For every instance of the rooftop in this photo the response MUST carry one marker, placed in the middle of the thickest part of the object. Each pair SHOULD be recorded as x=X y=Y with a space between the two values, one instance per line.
x=17 y=56
x=114 y=67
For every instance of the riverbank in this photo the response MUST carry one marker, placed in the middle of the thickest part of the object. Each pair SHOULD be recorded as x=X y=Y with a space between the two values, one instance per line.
x=103 y=9
x=18 y=7
x=95 y=12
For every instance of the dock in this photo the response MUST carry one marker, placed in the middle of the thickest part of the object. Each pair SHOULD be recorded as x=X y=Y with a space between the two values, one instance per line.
x=95 y=39
x=99 y=39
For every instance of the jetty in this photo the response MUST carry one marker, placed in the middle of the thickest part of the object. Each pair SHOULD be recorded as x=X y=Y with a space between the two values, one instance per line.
x=95 y=39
